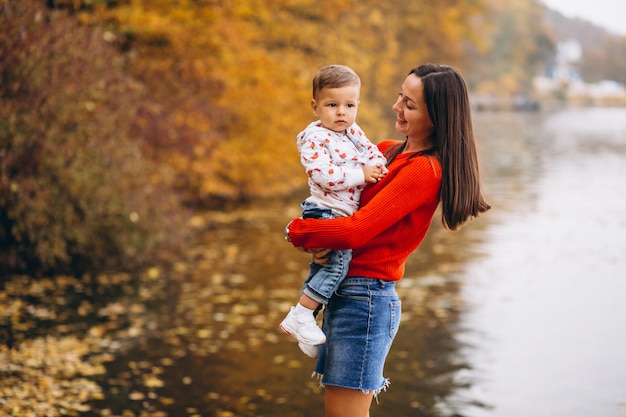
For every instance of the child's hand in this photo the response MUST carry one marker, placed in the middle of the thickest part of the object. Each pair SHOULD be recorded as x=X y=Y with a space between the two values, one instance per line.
x=375 y=173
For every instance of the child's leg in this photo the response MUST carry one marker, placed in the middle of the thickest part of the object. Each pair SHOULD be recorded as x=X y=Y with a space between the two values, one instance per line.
x=323 y=281
x=318 y=288
x=308 y=308
x=300 y=322
x=308 y=302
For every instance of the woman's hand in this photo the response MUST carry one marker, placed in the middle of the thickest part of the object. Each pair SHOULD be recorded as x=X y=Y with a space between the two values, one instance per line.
x=318 y=254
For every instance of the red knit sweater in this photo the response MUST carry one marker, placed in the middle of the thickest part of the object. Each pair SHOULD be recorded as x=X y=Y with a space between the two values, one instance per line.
x=393 y=219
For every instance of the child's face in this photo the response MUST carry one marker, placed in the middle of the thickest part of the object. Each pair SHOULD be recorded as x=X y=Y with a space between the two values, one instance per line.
x=337 y=107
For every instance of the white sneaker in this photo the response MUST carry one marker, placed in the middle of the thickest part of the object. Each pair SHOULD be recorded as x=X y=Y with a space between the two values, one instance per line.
x=303 y=327
x=309 y=350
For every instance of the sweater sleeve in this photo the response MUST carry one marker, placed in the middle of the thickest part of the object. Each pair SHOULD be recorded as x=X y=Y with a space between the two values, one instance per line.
x=411 y=185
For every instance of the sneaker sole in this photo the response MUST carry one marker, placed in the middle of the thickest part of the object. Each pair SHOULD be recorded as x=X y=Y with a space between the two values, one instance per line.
x=312 y=354
x=293 y=334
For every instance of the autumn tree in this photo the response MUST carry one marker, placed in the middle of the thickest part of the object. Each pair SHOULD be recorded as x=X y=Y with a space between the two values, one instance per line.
x=75 y=190
x=519 y=45
x=230 y=82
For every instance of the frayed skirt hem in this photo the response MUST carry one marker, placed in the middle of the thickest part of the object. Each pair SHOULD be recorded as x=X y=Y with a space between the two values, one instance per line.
x=376 y=392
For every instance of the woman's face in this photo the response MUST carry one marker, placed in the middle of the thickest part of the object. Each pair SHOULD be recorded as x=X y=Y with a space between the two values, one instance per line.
x=412 y=119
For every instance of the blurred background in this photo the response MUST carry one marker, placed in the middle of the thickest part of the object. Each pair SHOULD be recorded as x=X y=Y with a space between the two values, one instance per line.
x=148 y=167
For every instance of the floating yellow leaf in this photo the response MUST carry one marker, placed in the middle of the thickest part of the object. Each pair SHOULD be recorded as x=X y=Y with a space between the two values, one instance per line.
x=153 y=382
x=204 y=333
x=167 y=400
x=136 y=396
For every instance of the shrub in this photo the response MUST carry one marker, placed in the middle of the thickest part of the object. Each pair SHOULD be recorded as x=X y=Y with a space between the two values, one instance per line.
x=75 y=190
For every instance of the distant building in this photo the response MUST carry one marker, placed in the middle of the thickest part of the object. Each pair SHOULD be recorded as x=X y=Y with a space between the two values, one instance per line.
x=567 y=61
x=564 y=79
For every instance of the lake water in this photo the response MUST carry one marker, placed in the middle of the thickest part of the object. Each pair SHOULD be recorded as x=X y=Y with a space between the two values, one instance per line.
x=544 y=312
x=520 y=313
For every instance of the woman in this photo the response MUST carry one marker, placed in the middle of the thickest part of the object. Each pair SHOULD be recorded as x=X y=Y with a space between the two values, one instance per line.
x=436 y=163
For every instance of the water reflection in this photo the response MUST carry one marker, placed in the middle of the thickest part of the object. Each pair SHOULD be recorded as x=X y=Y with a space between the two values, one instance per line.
x=217 y=350
x=544 y=307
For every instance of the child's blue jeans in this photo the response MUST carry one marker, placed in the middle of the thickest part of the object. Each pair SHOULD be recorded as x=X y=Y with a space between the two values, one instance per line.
x=323 y=280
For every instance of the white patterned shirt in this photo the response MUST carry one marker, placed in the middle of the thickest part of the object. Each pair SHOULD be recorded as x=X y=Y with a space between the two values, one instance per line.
x=334 y=165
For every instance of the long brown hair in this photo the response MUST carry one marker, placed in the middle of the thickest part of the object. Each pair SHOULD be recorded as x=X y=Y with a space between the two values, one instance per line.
x=447 y=101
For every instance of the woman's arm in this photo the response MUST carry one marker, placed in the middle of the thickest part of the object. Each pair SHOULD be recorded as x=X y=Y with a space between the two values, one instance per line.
x=406 y=188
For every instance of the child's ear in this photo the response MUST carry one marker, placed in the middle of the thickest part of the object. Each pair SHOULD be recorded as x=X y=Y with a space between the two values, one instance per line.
x=314 y=106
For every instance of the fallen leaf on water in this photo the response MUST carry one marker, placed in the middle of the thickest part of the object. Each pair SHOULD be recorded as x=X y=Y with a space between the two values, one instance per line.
x=294 y=364
x=204 y=333
x=167 y=400
x=136 y=396
x=167 y=362
x=153 y=382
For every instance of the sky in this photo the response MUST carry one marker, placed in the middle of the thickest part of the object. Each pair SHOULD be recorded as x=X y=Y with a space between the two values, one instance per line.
x=610 y=14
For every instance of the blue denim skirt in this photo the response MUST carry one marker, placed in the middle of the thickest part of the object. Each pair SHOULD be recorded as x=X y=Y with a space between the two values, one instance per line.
x=360 y=323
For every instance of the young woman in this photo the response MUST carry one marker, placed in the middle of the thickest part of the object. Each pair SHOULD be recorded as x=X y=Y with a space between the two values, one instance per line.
x=436 y=163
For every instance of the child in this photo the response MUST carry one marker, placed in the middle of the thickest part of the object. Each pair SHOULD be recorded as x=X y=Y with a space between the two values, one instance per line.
x=339 y=161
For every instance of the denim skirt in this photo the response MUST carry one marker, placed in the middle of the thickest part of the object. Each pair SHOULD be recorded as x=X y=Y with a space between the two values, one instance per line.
x=360 y=323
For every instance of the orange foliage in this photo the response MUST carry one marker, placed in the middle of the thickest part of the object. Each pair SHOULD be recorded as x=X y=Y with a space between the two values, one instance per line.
x=230 y=81
x=75 y=189
x=518 y=44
